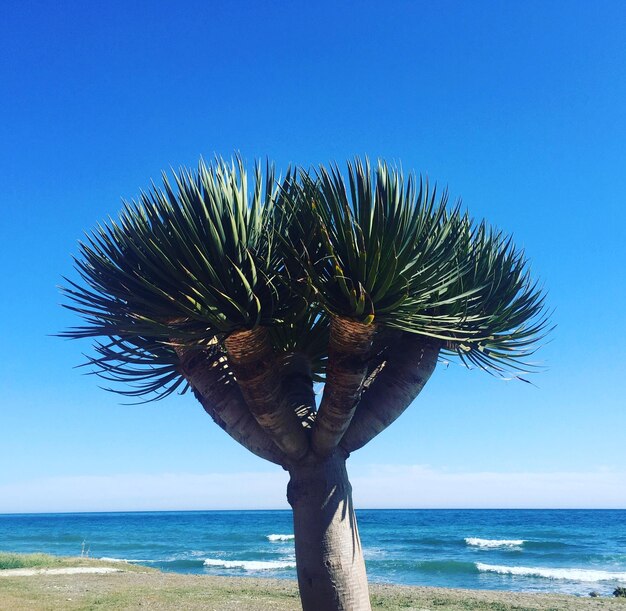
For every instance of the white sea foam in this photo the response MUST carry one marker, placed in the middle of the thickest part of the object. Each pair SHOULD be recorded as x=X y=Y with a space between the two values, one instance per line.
x=250 y=565
x=553 y=573
x=126 y=560
x=476 y=542
x=280 y=537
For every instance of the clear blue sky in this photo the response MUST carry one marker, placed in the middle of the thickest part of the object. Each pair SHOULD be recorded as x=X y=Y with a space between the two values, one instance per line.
x=519 y=107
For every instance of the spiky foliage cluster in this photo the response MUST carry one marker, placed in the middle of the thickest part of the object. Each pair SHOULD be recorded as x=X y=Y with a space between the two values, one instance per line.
x=497 y=312
x=380 y=246
x=191 y=262
x=183 y=264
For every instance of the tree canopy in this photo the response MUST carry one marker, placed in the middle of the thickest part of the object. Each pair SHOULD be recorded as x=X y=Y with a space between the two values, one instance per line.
x=212 y=251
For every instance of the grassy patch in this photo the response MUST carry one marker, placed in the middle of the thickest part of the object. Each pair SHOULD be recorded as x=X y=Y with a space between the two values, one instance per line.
x=22 y=561
x=47 y=561
x=140 y=587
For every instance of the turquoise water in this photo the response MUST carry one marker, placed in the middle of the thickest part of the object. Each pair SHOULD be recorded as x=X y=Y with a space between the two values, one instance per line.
x=548 y=551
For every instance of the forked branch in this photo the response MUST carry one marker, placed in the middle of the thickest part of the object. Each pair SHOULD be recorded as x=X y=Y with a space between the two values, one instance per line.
x=348 y=350
x=297 y=387
x=254 y=363
x=219 y=395
x=408 y=366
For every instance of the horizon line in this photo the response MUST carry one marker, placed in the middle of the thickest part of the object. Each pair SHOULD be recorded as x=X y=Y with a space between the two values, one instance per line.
x=60 y=513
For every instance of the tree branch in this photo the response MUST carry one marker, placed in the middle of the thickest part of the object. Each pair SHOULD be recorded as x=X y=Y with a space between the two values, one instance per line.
x=407 y=368
x=383 y=339
x=219 y=395
x=254 y=363
x=348 y=349
x=297 y=387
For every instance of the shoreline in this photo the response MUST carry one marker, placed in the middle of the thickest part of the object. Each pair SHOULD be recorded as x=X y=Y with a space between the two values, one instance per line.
x=568 y=552
x=65 y=588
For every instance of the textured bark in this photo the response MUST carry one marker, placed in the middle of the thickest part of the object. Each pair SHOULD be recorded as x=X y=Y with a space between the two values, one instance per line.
x=408 y=366
x=254 y=363
x=331 y=570
x=348 y=349
x=384 y=338
x=297 y=387
x=221 y=398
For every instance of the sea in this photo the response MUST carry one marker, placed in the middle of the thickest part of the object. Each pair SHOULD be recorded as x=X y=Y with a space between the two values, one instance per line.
x=561 y=551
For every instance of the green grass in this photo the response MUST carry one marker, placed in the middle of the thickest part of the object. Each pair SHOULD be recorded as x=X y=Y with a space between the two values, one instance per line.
x=20 y=561
x=137 y=587
x=40 y=561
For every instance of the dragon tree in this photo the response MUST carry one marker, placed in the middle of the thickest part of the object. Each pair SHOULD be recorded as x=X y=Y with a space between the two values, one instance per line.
x=255 y=293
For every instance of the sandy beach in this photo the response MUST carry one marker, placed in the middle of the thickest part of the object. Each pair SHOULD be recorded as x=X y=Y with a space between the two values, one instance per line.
x=75 y=588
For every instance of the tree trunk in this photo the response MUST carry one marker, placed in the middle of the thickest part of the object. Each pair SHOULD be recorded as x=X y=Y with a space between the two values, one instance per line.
x=331 y=570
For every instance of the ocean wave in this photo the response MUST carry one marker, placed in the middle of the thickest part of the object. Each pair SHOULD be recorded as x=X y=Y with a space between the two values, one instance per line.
x=491 y=543
x=251 y=565
x=126 y=560
x=172 y=562
x=280 y=537
x=588 y=575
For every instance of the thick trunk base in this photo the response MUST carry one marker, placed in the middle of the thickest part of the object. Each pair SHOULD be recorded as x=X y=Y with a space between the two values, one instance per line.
x=331 y=570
